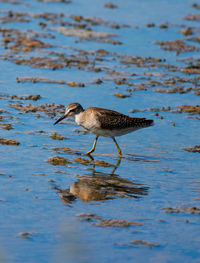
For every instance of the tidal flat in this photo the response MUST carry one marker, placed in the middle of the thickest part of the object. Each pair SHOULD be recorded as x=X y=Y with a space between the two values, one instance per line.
x=140 y=58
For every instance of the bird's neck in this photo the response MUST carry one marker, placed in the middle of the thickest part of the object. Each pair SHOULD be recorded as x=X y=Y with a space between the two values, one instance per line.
x=79 y=118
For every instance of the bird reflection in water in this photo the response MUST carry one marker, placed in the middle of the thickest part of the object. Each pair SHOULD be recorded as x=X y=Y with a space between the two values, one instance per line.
x=98 y=186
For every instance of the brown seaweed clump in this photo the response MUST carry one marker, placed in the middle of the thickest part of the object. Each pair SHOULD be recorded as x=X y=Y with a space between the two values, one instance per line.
x=6 y=126
x=193 y=149
x=121 y=95
x=183 y=209
x=39 y=62
x=57 y=160
x=193 y=17
x=143 y=243
x=8 y=142
x=49 y=109
x=110 y=5
x=190 y=109
x=91 y=162
x=192 y=68
x=195 y=5
x=174 y=90
x=119 y=223
x=57 y=136
x=26 y=235
x=176 y=45
x=89 y=35
x=186 y=31
x=46 y=80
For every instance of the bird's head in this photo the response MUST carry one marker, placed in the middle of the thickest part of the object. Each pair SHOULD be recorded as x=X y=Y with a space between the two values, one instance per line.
x=71 y=110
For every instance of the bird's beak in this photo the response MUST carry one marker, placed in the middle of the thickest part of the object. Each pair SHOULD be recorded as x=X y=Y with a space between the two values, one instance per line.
x=60 y=119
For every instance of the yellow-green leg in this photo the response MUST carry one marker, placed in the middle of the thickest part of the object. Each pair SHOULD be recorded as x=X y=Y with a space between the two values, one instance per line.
x=93 y=147
x=119 y=150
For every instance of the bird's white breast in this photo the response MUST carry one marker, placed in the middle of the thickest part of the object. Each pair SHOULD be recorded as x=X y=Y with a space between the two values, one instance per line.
x=89 y=122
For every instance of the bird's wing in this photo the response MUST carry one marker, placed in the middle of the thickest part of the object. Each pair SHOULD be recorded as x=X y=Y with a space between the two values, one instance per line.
x=109 y=119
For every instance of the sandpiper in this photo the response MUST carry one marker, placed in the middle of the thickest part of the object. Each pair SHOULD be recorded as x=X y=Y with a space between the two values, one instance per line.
x=104 y=122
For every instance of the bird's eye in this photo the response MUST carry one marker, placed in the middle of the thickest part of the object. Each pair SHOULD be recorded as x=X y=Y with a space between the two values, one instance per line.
x=73 y=110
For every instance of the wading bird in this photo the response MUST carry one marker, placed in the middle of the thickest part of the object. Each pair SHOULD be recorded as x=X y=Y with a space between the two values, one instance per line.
x=104 y=122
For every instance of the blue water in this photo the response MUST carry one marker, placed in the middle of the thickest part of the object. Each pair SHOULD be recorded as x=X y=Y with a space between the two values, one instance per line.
x=153 y=158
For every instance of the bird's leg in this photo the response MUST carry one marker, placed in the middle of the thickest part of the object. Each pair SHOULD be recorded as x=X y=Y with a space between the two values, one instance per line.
x=93 y=147
x=116 y=166
x=119 y=150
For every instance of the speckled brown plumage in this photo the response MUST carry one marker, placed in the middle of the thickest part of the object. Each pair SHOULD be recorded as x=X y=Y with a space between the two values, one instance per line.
x=104 y=122
x=111 y=120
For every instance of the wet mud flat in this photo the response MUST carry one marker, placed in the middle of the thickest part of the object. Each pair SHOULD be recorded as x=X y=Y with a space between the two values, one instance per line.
x=58 y=205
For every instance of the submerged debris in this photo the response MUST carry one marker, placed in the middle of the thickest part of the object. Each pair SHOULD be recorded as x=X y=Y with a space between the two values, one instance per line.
x=193 y=17
x=119 y=223
x=45 y=80
x=39 y=62
x=186 y=31
x=57 y=160
x=6 y=126
x=103 y=164
x=183 y=209
x=115 y=223
x=192 y=68
x=179 y=109
x=110 y=5
x=23 y=97
x=9 y=142
x=83 y=161
x=190 y=109
x=32 y=97
x=63 y=149
x=12 y=16
x=176 y=45
x=142 y=243
x=26 y=235
x=57 y=136
x=195 y=5
x=91 y=162
x=120 y=95
x=55 y=1
x=88 y=34
x=49 y=109
x=174 y=90
x=193 y=149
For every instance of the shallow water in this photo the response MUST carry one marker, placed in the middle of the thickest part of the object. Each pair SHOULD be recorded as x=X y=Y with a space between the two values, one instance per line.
x=142 y=208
